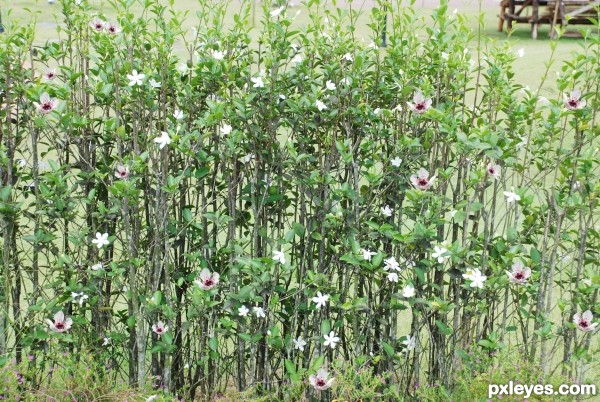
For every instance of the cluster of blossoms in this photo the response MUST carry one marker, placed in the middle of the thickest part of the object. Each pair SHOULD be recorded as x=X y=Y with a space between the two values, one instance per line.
x=99 y=25
x=393 y=267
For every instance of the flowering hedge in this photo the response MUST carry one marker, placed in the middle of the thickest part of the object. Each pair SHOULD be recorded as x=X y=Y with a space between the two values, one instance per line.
x=238 y=207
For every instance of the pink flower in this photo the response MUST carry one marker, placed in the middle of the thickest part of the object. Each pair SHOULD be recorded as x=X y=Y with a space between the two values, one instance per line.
x=208 y=280
x=98 y=25
x=122 y=172
x=320 y=381
x=46 y=104
x=493 y=170
x=572 y=102
x=421 y=180
x=584 y=321
x=160 y=328
x=50 y=74
x=113 y=28
x=519 y=273
x=60 y=324
x=420 y=105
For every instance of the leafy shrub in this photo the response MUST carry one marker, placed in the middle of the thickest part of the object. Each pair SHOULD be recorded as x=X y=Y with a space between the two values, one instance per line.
x=231 y=208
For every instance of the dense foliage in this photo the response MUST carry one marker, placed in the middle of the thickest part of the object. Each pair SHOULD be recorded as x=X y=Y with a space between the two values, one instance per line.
x=240 y=207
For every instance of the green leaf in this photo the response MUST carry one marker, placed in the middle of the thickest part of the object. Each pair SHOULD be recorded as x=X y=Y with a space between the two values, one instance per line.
x=389 y=349
x=325 y=327
x=5 y=193
x=290 y=367
x=317 y=363
x=213 y=344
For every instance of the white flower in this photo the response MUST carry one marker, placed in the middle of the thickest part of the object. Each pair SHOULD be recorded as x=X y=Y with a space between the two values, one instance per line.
x=320 y=299
x=247 y=158
x=393 y=277
x=367 y=254
x=101 y=240
x=445 y=56
x=410 y=342
x=182 y=68
x=96 y=267
x=163 y=140
x=113 y=28
x=421 y=179
x=208 y=280
x=46 y=104
x=122 y=172
x=391 y=263
x=259 y=311
x=330 y=85
x=50 y=74
x=439 y=254
x=153 y=83
x=510 y=197
x=60 y=324
x=277 y=11
x=299 y=343
x=320 y=105
x=217 y=55
x=160 y=328
x=106 y=341
x=135 y=78
x=97 y=24
x=243 y=311
x=521 y=52
x=178 y=114
x=584 y=321
x=572 y=102
x=386 y=211
x=408 y=291
x=348 y=57
x=519 y=274
x=420 y=104
x=151 y=398
x=81 y=296
x=493 y=170
x=331 y=340
x=279 y=256
x=226 y=129
x=396 y=162
x=476 y=278
x=258 y=82
x=319 y=381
